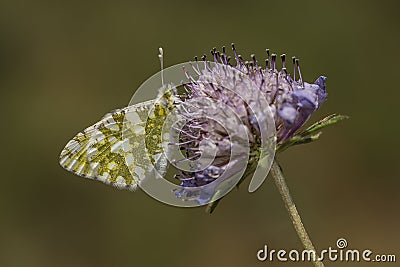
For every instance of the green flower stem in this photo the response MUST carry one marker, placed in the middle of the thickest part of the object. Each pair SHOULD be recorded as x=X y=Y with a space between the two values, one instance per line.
x=280 y=182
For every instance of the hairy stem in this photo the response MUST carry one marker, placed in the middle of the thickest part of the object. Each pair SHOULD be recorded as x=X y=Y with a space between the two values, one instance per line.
x=280 y=182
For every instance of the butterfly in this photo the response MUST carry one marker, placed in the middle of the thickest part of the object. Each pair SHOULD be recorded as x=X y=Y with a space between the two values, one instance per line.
x=124 y=146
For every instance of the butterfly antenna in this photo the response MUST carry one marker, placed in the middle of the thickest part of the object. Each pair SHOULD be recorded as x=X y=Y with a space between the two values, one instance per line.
x=161 y=57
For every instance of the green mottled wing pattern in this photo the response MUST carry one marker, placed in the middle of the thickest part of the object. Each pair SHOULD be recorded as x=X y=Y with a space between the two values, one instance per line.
x=122 y=147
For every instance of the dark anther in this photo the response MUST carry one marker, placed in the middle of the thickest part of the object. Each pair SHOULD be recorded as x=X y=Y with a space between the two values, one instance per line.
x=294 y=68
x=273 y=58
x=283 y=58
x=267 y=61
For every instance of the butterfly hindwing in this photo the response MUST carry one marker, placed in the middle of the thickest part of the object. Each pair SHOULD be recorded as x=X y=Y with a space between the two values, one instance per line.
x=114 y=149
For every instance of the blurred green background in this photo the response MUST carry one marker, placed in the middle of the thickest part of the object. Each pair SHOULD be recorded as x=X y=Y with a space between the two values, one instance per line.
x=63 y=64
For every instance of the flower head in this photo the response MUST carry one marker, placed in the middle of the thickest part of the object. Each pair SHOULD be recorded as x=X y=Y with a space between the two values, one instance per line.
x=290 y=99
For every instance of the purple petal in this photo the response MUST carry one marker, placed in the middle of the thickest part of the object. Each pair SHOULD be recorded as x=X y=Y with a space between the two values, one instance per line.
x=321 y=93
x=288 y=113
x=312 y=95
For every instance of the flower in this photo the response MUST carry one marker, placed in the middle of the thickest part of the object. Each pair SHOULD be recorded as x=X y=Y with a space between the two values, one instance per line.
x=291 y=101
